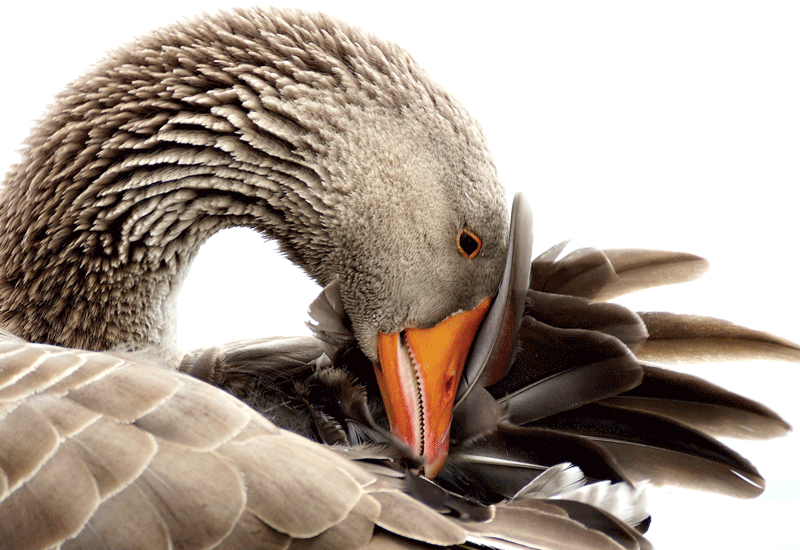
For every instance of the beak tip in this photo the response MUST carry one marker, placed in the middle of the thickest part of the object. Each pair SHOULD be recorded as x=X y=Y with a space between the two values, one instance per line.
x=432 y=468
x=418 y=376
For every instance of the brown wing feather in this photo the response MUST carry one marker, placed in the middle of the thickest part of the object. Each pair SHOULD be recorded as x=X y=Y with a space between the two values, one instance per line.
x=676 y=338
x=113 y=453
x=184 y=456
x=638 y=269
x=701 y=405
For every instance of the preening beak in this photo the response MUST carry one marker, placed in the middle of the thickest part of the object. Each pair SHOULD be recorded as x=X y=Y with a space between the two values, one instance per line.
x=418 y=375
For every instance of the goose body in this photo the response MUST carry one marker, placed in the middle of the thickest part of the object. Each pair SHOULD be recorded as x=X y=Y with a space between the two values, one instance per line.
x=373 y=179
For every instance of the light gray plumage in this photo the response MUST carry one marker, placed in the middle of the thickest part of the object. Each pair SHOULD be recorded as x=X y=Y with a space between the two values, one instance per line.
x=335 y=144
x=104 y=452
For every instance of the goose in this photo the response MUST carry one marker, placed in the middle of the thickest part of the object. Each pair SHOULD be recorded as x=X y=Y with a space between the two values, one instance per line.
x=376 y=182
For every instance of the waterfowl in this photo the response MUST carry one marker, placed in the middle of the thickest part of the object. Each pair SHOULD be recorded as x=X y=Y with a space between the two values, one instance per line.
x=378 y=184
x=367 y=173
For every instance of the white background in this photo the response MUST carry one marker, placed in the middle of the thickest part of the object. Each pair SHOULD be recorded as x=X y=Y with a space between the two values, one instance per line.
x=672 y=126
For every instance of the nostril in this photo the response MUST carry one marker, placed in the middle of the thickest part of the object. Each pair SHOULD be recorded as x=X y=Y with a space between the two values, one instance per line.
x=448 y=384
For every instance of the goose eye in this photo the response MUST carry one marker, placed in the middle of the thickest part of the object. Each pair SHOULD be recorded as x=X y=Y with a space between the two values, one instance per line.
x=469 y=244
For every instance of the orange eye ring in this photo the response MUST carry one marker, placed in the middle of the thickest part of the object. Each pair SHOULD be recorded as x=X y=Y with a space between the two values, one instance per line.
x=469 y=244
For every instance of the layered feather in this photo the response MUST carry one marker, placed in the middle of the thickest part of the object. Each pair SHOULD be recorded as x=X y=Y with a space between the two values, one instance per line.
x=645 y=423
x=580 y=391
x=135 y=456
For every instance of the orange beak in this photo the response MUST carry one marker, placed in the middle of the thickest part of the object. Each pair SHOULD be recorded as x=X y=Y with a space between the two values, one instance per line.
x=418 y=375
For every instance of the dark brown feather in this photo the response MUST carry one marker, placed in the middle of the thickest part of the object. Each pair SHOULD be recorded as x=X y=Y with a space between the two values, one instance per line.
x=582 y=273
x=558 y=369
x=569 y=312
x=654 y=448
x=702 y=405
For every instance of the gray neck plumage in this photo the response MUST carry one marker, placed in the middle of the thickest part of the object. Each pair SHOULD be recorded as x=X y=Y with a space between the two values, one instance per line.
x=192 y=130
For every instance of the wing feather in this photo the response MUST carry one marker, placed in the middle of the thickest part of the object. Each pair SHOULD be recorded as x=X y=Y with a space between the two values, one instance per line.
x=677 y=338
x=701 y=405
x=638 y=269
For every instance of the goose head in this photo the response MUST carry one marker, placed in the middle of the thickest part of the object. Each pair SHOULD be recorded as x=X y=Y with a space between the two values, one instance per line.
x=315 y=134
x=420 y=245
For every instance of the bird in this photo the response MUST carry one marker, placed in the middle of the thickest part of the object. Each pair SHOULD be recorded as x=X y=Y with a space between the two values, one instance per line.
x=374 y=180
x=305 y=160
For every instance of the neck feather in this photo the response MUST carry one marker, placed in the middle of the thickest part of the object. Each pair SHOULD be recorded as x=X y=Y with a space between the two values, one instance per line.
x=188 y=131
x=251 y=119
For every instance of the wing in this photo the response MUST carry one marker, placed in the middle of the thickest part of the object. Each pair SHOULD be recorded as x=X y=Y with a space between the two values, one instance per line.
x=585 y=388
x=101 y=451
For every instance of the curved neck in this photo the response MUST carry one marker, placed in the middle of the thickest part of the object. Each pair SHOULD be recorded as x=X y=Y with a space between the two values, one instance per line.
x=138 y=164
x=291 y=124
x=102 y=269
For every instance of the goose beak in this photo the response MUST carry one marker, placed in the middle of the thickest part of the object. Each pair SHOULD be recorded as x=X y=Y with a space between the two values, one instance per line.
x=419 y=374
